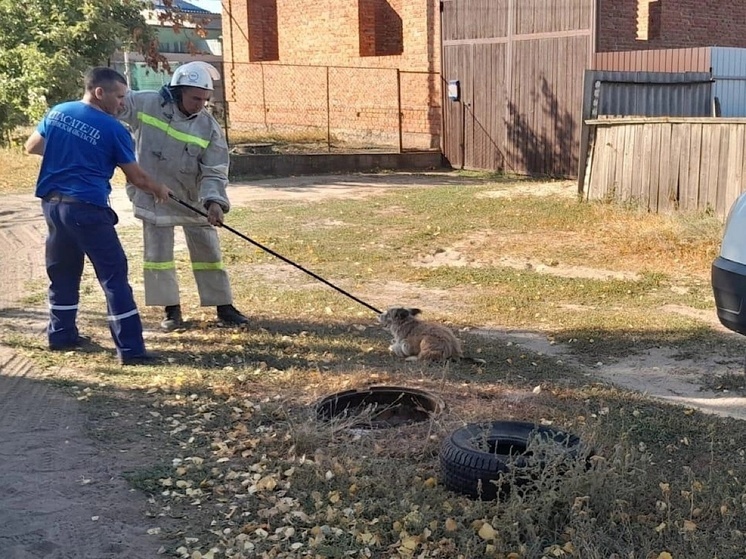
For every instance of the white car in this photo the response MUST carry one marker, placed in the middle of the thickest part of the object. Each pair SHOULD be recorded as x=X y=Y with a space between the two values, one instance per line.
x=729 y=270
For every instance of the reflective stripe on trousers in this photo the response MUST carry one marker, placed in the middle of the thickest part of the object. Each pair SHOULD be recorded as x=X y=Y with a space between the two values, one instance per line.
x=76 y=230
x=159 y=267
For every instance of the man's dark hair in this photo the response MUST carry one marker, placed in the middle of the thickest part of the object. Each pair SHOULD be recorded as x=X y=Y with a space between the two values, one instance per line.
x=101 y=76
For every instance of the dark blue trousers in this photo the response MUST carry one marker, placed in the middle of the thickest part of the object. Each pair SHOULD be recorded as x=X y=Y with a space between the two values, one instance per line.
x=76 y=230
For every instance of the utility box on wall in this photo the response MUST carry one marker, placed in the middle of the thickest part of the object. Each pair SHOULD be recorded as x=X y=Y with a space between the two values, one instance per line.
x=454 y=93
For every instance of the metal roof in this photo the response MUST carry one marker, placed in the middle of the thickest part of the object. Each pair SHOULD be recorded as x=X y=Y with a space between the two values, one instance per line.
x=182 y=6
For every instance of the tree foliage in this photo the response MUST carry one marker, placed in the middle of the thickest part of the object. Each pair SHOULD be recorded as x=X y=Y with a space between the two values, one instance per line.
x=46 y=45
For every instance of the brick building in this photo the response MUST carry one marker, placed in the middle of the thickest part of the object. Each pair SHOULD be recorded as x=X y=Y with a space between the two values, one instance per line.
x=366 y=70
x=372 y=70
x=625 y=25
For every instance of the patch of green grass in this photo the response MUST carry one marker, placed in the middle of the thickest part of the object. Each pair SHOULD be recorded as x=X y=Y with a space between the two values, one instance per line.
x=36 y=293
x=422 y=221
x=728 y=383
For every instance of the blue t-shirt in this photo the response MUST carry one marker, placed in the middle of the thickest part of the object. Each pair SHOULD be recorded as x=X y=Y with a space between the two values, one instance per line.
x=82 y=148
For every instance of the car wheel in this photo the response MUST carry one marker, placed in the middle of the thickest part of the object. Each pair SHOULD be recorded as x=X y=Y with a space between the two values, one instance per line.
x=474 y=458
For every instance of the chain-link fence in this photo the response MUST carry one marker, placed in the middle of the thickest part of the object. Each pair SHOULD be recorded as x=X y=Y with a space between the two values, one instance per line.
x=330 y=108
x=140 y=76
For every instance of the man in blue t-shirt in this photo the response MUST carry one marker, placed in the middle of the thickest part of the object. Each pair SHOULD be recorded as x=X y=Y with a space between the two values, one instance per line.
x=82 y=143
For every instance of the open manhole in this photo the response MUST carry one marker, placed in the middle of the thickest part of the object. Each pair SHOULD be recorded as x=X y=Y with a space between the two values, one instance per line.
x=379 y=407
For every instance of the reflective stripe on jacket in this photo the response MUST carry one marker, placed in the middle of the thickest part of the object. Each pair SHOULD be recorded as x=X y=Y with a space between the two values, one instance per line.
x=187 y=154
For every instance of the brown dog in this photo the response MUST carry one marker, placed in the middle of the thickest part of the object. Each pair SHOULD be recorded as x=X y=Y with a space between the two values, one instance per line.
x=416 y=340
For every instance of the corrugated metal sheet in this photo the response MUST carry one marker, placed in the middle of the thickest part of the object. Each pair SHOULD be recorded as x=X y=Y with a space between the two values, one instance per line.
x=728 y=66
x=650 y=93
x=729 y=71
x=667 y=60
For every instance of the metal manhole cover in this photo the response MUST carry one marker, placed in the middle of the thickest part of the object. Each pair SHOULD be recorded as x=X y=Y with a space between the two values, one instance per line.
x=380 y=407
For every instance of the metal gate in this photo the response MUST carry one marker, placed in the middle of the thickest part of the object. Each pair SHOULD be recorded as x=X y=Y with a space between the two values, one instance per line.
x=513 y=83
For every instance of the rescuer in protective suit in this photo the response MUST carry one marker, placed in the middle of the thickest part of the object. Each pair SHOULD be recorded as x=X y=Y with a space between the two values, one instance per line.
x=180 y=144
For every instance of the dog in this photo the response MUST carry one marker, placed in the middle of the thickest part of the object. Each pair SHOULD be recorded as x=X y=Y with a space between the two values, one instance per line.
x=416 y=340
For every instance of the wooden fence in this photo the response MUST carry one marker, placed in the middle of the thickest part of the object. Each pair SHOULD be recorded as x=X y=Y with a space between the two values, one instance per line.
x=667 y=164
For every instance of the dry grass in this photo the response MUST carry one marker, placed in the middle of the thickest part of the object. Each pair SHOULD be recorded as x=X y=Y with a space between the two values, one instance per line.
x=236 y=451
x=312 y=141
x=19 y=171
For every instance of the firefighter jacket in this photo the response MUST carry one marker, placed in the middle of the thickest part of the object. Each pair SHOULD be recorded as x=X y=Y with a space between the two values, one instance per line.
x=188 y=154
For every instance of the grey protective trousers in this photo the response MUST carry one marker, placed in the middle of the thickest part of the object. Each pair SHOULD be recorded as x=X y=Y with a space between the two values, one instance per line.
x=159 y=267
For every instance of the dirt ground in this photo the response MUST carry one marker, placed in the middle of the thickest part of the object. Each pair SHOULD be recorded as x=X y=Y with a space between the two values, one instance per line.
x=63 y=496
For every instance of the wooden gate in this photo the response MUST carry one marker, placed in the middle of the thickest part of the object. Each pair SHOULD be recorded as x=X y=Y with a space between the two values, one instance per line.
x=515 y=70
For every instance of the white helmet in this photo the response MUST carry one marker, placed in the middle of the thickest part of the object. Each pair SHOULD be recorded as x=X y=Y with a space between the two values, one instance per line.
x=195 y=74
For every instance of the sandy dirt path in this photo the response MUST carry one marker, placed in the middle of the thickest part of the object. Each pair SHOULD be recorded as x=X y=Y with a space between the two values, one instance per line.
x=60 y=496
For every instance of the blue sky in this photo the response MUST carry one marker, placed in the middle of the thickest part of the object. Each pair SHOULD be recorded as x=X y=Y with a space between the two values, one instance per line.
x=212 y=5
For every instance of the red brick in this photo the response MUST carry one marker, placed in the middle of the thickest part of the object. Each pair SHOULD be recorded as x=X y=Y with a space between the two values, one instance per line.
x=682 y=24
x=319 y=43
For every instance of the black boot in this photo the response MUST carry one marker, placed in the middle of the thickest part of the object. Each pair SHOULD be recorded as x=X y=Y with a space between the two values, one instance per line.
x=147 y=358
x=231 y=316
x=173 y=319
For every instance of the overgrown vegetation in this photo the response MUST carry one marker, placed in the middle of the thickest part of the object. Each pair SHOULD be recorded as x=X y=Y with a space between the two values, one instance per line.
x=234 y=449
x=45 y=46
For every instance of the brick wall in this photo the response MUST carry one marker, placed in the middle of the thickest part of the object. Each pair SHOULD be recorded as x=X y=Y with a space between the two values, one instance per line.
x=380 y=27
x=670 y=24
x=263 y=26
x=335 y=65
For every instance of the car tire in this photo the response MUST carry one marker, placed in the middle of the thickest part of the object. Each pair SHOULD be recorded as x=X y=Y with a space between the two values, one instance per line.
x=475 y=457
